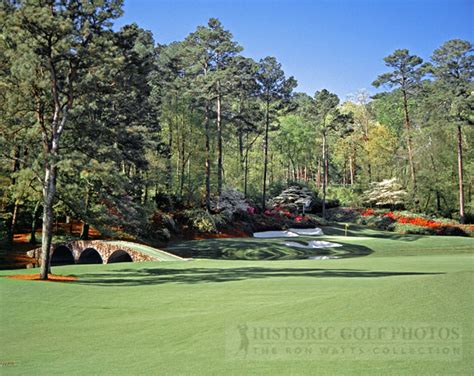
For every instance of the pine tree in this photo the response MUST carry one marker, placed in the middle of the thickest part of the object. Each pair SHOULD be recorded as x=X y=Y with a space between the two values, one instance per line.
x=275 y=92
x=54 y=42
x=406 y=75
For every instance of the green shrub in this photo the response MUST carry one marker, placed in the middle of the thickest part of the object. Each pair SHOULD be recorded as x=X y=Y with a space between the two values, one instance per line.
x=319 y=220
x=276 y=188
x=342 y=214
x=378 y=222
x=469 y=218
x=450 y=231
x=439 y=230
x=346 y=196
x=405 y=228
x=222 y=219
x=200 y=220
x=166 y=201
x=160 y=226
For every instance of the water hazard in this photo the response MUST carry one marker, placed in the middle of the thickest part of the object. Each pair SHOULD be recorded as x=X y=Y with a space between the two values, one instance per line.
x=259 y=249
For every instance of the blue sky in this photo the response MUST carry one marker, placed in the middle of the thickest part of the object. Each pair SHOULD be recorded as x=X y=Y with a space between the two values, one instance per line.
x=334 y=44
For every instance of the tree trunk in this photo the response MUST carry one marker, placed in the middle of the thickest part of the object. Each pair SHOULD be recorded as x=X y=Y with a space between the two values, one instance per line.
x=326 y=165
x=271 y=168
x=428 y=199
x=34 y=222
x=85 y=226
x=460 y=176
x=184 y=161
x=318 y=174
x=265 y=157
x=246 y=168
x=49 y=192
x=219 y=144
x=169 y=164
x=324 y=174
x=351 y=169
x=366 y=139
x=13 y=221
x=241 y=151
x=85 y=231
x=208 y=160
x=13 y=208
x=344 y=175
x=409 y=142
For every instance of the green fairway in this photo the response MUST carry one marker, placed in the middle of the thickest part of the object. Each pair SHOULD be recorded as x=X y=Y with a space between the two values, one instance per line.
x=183 y=318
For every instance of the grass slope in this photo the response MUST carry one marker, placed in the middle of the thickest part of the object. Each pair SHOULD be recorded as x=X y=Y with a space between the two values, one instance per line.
x=157 y=253
x=180 y=318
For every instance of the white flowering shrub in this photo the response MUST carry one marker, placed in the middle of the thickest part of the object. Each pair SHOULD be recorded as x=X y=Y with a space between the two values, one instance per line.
x=387 y=193
x=231 y=202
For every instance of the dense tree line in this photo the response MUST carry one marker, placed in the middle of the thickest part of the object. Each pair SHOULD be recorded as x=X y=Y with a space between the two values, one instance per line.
x=102 y=125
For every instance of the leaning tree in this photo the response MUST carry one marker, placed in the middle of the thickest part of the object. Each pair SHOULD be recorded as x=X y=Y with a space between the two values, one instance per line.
x=53 y=45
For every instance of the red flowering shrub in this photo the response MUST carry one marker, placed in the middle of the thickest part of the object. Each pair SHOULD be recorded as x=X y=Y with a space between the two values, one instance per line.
x=368 y=212
x=406 y=222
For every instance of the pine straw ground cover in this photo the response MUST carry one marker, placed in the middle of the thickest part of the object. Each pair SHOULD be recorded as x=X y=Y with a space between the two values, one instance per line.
x=36 y=277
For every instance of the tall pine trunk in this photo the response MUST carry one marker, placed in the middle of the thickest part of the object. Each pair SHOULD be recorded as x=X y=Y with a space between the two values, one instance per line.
x=184 y=160
x=351 y=169
x=409 y=142
x=325 y=164
x=13 y=208
x=460 y=174
x=265 y=157
x=208 y=159
x=246 y=166
x=318 y=174
x=241 y=155
x=169 y=163
x=219 y=144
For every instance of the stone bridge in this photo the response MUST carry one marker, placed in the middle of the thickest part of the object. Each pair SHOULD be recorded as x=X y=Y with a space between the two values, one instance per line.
x=102 y=252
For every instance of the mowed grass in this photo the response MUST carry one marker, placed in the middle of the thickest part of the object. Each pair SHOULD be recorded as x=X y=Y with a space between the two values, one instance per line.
x=181 y=318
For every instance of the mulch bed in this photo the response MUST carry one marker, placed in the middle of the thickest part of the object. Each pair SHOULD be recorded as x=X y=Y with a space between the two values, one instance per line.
x=36 y=277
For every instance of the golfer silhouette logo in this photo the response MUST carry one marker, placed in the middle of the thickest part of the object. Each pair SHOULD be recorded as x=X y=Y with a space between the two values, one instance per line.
x=244 y=339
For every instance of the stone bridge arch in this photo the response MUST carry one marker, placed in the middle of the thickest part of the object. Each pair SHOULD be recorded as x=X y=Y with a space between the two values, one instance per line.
x=90 y=256
x=89 y=251
x=62 y=255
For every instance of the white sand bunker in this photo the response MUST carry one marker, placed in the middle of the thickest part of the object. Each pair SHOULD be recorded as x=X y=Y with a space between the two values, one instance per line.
x=307 y=231
x=275 y=234
x=313 y=244
x=291 y=233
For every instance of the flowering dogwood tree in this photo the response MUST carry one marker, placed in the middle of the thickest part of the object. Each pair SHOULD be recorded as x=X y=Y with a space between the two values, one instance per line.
x=387 y=193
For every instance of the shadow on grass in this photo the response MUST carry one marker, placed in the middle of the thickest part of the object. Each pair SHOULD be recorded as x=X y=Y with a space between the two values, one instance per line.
x=157 y=276
x=260 y=249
